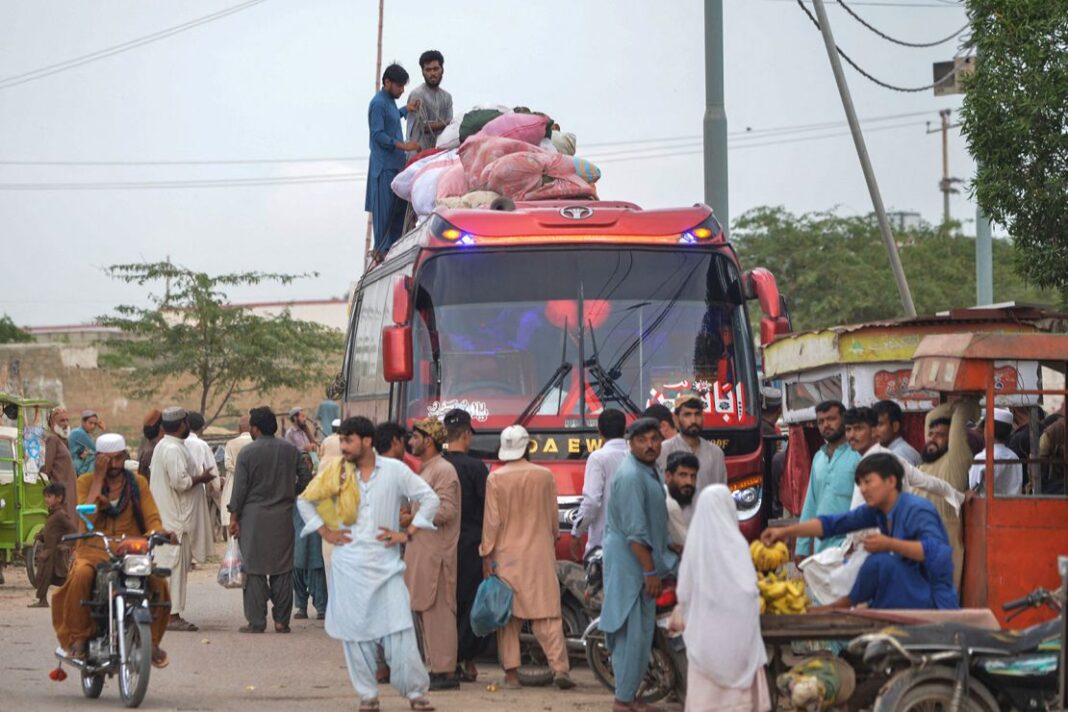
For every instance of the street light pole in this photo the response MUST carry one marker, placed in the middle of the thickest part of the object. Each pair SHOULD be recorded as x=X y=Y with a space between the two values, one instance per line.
x=715 y=122
x=865 y=161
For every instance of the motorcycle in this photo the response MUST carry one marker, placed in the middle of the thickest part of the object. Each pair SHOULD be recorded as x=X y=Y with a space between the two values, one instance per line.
x=954 y=667
x=666 y=673
x=120 y=610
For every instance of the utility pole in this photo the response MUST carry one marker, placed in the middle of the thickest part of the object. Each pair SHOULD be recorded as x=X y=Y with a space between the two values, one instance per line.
x=946 y=184
x=715 y=122
x=378 y=74
x=984 y=260
x=865 y=161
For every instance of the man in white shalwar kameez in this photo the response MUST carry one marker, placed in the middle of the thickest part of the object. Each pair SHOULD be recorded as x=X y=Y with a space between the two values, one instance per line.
x=370 y=606
x=831 y=573
x=203 y=459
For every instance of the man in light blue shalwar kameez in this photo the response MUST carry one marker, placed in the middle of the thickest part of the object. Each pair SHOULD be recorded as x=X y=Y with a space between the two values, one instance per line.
x=369 y=604
x=636 y=556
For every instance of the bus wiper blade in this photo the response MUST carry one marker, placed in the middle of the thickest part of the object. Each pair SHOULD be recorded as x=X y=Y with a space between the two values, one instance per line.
x=554 y=381
x=610 y=390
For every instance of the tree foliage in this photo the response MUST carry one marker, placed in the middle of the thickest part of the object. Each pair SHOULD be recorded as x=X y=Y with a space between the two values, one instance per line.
x=1015 y=117
x=10 y=333
x=190 y=333
x=834 y=270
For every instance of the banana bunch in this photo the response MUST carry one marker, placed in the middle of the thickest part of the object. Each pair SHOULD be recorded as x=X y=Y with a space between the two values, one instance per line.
x=781 y=596
x=765 y=559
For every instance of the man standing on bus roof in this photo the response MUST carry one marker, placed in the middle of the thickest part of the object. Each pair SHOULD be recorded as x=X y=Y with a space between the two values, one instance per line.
x=431 y=558
x=435 y=104
x=388 y=155
x=690 y=415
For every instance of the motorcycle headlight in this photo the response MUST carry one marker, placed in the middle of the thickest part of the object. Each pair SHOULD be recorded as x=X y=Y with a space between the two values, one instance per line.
x=138 y=565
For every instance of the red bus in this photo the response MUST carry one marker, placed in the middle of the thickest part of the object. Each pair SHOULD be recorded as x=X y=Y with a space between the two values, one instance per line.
x=549 y=313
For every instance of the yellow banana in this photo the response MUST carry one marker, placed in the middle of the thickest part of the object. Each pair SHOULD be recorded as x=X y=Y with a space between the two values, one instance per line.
x=776 y=590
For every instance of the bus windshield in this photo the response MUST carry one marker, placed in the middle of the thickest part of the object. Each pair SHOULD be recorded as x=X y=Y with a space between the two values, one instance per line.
x=543 y=335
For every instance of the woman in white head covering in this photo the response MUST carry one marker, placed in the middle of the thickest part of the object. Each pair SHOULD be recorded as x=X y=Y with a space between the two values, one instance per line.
x=719 y=607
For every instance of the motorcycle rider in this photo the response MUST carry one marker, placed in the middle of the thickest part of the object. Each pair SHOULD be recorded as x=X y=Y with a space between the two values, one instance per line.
x=124 y=507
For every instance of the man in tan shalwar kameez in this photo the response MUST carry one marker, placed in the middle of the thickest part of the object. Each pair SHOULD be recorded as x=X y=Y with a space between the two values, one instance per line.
x=948 y=456
x=519 y=533
x=430 y=558
x=58 y=465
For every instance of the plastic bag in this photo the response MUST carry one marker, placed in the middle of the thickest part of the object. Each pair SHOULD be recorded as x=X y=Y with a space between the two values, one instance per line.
x=402 y=184
x=492 y=607
x=231 y=571
x=425 y=190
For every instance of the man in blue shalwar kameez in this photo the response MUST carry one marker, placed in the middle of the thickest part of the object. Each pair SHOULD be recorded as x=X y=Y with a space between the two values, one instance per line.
x=369 y=606
x=911 y=562
x=636 y=556
x=388 y=156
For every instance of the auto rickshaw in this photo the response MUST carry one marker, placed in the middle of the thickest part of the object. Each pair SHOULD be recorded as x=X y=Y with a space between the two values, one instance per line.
x=1011 y=542
x=22 y=508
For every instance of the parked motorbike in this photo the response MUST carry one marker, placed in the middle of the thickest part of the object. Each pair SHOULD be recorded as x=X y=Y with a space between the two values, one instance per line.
x=120 y=609
x=667 y=665
x=953 y=667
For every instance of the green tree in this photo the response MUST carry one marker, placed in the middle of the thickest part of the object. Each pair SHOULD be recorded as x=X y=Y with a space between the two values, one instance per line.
x=191 y=335
x=12 y=334
x=1015 y=117
x=834 y=270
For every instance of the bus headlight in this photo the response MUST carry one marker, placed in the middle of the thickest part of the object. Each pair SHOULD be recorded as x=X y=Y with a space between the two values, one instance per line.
x=748 y=496
x=137 y=565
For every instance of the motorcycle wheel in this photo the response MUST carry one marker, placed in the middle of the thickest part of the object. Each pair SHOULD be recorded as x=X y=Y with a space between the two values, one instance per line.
x=600 y=661
x=92 y=685
x=135 y=670
x=934 y=693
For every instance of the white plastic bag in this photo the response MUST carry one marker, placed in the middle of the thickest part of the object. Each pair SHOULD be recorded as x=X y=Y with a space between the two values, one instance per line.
x=231 y=571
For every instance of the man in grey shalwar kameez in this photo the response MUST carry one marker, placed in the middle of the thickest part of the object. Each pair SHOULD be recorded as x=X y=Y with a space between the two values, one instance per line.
x=370 y=606
x=261 y=517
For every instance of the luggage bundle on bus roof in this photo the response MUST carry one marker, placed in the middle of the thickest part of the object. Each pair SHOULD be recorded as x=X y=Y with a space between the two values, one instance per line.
x=494 y=151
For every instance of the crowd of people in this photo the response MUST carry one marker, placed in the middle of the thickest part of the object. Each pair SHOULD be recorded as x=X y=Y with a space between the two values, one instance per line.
x=331 y=514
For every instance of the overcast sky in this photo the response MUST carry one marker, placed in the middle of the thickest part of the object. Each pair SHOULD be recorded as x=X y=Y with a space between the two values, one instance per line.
x=290 y=79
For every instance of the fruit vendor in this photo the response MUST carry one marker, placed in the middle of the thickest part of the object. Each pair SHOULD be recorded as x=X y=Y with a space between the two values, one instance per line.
x=911 y=561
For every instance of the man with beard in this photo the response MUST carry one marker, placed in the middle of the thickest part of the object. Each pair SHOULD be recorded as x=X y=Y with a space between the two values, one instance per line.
x=172 y=489
x=830 y=482
x=1008 y=476
x=435 y=104
x=431 y=558
x=125 y=507
x=370 y=606
x=152 y=431
x=690 y=415
x=473 y=474
x=636 y=557
x=680 y=482
x=831 y=573
x=947 y=456
x=58 y=466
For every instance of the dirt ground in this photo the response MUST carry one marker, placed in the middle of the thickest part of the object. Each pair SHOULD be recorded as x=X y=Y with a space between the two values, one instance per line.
x=218 y=668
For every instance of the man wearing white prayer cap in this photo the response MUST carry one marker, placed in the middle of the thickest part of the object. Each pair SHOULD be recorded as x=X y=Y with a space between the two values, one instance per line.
x=1008 y=476
x=125 y=507
x=173 y=480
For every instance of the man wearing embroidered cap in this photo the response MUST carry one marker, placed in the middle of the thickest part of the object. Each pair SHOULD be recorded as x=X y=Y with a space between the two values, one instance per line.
x=173 y=480
x=431 y=558
x=519 y=545
x=125 y=507
x=1008 y=476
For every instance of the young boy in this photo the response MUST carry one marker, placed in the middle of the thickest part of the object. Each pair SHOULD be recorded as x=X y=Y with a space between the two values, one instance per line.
x=52 y=569
x=911 y=560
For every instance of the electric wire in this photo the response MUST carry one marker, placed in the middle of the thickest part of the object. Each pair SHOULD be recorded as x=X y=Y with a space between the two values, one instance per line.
x=49 y=70
x=888 y=38
x=886 y=85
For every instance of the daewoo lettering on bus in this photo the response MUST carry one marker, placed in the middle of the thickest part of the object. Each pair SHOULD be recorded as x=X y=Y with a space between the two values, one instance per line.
x=546 y=314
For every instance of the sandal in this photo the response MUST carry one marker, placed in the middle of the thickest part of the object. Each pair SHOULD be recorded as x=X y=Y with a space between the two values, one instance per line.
x=281 y=627
x=249 y=629
x=421 y=703
x=464 y=675
x=182 y=625
x=159 y=658
x=39 y=603
x=369 y=705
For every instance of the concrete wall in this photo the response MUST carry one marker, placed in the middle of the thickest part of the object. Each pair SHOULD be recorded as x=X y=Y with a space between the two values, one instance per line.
x=70 y=375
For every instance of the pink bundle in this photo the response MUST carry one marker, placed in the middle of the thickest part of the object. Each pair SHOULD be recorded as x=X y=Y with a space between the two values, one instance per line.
x=534 y=175
x=530 y=128
x=481 y=150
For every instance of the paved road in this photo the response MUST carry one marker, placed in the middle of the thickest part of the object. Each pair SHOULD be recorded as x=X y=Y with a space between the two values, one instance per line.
x=218 y=668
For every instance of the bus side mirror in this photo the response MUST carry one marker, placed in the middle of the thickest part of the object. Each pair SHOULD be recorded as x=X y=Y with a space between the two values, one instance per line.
x=760 y=285
x=402 y=299
x=397 y=353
